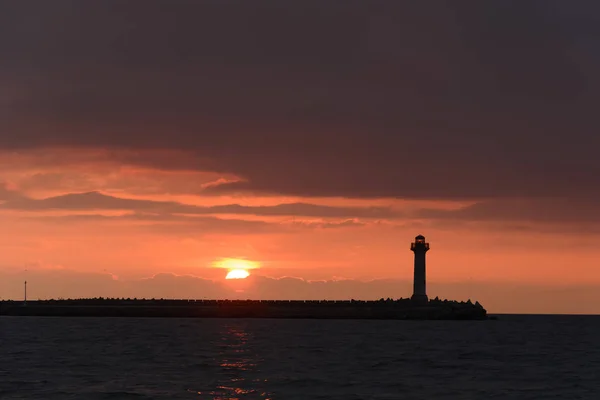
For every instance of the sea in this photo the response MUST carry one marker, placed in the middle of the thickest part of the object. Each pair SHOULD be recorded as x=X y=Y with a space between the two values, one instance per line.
x=514 y=357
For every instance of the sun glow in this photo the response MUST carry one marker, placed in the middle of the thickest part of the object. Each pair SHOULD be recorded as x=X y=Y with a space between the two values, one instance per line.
x=235 y=263
x=238 y=268
x=237 y=274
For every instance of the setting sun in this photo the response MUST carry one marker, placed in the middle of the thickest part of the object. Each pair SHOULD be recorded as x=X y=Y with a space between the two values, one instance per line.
x=237 y=274
x=237 y=268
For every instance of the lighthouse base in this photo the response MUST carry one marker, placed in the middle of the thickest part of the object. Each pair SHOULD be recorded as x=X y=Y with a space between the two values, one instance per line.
x=419 y=299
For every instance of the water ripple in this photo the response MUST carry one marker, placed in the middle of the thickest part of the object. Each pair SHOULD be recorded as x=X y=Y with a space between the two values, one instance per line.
x=515 y=357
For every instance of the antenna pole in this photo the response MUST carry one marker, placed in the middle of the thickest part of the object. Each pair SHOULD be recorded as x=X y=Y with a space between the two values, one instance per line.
x=25 y=297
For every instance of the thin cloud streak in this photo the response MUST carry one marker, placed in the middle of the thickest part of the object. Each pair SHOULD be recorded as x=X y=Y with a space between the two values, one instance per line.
x=99 y=201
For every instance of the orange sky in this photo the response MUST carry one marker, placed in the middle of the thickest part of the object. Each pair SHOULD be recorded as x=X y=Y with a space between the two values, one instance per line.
x=87 y=237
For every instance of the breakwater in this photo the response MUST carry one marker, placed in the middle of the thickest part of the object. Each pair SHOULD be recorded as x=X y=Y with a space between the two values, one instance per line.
x=402 y=309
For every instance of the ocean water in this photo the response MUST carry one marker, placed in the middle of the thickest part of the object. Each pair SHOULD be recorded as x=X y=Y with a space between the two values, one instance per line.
x=515 y=357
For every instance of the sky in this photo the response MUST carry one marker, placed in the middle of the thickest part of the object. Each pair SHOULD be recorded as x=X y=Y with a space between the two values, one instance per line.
x=145 y=146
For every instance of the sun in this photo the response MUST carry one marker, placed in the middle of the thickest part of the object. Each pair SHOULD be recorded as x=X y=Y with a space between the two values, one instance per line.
x=237 y=274
x=237 y=268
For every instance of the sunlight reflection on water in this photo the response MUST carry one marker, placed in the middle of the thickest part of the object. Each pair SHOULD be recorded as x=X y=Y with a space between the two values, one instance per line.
x=239 y=367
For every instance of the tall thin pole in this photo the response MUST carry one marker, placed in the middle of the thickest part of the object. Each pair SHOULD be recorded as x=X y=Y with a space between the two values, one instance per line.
x=25 y=297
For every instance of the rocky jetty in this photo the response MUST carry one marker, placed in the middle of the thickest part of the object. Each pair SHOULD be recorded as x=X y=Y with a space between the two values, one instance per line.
x=398 y=309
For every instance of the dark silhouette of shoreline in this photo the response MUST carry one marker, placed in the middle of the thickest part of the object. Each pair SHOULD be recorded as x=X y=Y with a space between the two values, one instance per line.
x=400 y=309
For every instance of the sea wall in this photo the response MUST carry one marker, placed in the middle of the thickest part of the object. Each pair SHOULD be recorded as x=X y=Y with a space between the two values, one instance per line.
x=245 y=309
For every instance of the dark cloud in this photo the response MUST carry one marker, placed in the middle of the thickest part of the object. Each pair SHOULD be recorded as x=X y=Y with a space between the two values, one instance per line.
x=345 y=98
x=84 y=201
x=524 y=210
x=179 y=225
x=541 y=214
x=99 y=201
x=310 y=210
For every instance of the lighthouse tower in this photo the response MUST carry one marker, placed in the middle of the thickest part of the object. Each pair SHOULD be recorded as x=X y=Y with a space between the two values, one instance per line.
x=419 y=247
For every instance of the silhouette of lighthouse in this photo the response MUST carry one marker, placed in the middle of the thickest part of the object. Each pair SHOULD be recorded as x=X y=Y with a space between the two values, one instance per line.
x=419 y=247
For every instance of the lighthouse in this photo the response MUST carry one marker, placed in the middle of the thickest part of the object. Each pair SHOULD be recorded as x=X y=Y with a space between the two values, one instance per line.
x=419 y=247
